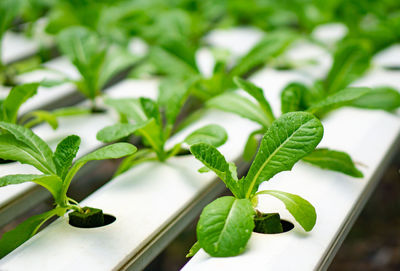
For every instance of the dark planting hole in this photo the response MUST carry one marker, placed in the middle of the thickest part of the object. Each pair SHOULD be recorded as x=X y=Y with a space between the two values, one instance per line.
x=183 y=152
x=98 y=110
x=91 y=218
x=2 y=161
x=271 y=223
x=392 y=68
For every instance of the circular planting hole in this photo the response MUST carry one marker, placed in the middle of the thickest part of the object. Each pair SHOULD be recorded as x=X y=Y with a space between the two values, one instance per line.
x=90 y=218
x=271 y=223
x=3 y=162
x=108 y=219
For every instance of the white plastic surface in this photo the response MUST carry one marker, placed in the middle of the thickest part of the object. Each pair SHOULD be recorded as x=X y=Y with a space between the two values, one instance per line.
x=17 y=46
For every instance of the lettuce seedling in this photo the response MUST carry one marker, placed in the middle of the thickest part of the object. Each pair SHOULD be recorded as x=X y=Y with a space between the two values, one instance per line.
x=154 y=122
x=21 y=144
x=96 y=61
x=226 y=224
x=20 y=94
x=260 y=112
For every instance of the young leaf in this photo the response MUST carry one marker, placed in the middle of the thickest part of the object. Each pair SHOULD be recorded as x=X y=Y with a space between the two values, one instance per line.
x=350 y=61
x=211 y=134
x=18 y=95
x=51 y=182
x=14 y=238
x=269 y=47
x=41 y=116
x=385 y=98
x=65 y=152
x=251 y=146
x=118 y=131
x=225 y=226
x=338 y=99
x=150 y=108
x=333 y=160
x=291 y=98
x=214 y=160
x=172 y=95
x=237 y=104
x=287 y=140
x=257 y=93
x=128 y=107
x=299 y=208
x=15 y=150
x=112 y=151
x=193 y=250
x=40 y=148
x=9 y=9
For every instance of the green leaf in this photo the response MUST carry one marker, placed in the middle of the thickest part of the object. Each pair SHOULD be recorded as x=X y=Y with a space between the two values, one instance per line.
x=70 y=111
x=251 y=146
x=333 y=160
x=51 y=182
x=299 y=208
x=15 y=150
x=258 y=94
x=211 y=134
x=385 y=98
x=290 y=138
x=65 y=152
x=292 y=98
x=272 y=45
x=193 y=250
x=113 y=151
x=130 y=108
x=27 y=137
x=17 y=96
x=171 y=64
x=9 y=9
x=214 y=160
x=153 y=135
x=225 y=226
x=242 y=106
x=118 y=131
x=41 y=116
x=338 y=99
x=150 y=108
x=14 y=238
x=171 y=97
x=351 y=60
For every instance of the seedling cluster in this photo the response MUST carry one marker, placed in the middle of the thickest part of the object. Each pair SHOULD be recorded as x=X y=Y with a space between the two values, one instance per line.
x=97 y=38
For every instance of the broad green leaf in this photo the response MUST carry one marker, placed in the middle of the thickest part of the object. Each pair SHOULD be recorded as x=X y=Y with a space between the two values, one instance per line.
x=289 y=138
x=193 y=250
x=385 y=98
x=40 y=116
x=333 y=160
x=299 y=208
x=150 y=108
x=211 y=134
x=170 y=63
x=251 y=146
x=70 y=111
x=292 y=98
x=51 y=182
x=225 y=226
x=116 y=60
x=214 y=160
x=171 y=97
x=240 y=105
x=113 y=151
x=9 y=9
x=350 y=61
x=41 y=149
x=118 y=131
x=15 y=150
x=272 y=45
x=130 y=108
x=338 y=99
x=153 y=136
x=65 y=152
x=258 y=94
x=14 y=238
x=17 y=96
